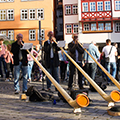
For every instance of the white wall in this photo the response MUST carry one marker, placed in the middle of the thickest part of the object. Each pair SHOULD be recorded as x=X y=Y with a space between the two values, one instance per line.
x=115 y=13
x=79 y=10
x=69 y=18
x=69 y=2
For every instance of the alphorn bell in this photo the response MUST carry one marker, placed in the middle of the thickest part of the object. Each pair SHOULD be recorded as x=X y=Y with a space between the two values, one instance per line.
x=104 y=70
x=81 y=100
x=114 y=96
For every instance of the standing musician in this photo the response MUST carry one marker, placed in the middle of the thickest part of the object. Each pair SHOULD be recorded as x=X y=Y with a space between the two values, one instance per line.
x=76 y=52
x=51 y=58
x=20 y=63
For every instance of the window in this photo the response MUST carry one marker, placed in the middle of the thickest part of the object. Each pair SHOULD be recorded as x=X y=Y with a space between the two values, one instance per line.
x=107 y=26
x=40 y=12
x=117 y=5
x=42 y=34
x=100 y=26
x=118 y=26
x=93 y=26
x=11 y=34
x=100 y=6
x=75 y=28
x=10 y=14
x=68 y=10
x=75 y=9
x=69 y=28
x=86 y=27
x=85 y=7
x=32 y=35
x=10 y=0
x=107 y=5
x=2 y=0
x=92 y=6
x=32 y=14
x=6 y=0
x=24 y=14
x=3 y=32
x=2 y=14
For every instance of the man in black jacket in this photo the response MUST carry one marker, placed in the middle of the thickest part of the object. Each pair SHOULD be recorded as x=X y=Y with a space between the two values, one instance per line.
x=51 y=58
x=75 y=51
x=20 y=63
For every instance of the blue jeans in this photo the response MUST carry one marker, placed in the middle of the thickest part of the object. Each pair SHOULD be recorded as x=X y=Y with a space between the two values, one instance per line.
x=17 y=74
x=54 y=72
x=2 y=60
x=91 y=69
x=30 y=66
x=111 y=65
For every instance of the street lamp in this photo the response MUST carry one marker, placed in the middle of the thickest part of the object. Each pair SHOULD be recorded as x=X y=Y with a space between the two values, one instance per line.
x=40 y=40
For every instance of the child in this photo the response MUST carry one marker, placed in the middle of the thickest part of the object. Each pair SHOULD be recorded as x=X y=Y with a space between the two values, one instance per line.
x=8 y=59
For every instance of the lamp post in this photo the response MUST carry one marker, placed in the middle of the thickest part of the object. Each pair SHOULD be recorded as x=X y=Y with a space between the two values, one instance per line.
x=40 y=42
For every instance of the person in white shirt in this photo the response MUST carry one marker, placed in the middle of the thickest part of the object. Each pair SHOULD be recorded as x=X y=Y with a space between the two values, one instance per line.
x=110 y=51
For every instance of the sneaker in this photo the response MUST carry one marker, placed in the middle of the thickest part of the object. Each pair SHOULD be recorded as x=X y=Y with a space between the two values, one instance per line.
x=25 y=91
x=69 y=88
x=17 y=91
x=29 y=80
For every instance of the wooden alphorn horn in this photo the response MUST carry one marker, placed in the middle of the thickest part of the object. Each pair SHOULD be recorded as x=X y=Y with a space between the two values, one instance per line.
x=114 y=96
x=104 y=70
x=80 y=101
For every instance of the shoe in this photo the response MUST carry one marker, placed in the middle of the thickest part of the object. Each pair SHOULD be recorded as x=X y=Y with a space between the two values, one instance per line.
x=29 y=80
x=17 y=91
x=40 y=80
x=81 y=88
x=25 y=91
x=69 y=88
x=7 y=80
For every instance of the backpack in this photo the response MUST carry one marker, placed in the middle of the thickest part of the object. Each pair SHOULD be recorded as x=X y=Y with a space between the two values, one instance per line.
x=35 y=95
x=102 y=86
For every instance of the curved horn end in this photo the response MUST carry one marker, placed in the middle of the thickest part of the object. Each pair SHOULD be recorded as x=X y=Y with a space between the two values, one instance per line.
x=82 y=100
x=115 y=96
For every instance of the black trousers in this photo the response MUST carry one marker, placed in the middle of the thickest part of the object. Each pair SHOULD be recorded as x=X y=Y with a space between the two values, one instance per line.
x=63 y=67
x=72 y=72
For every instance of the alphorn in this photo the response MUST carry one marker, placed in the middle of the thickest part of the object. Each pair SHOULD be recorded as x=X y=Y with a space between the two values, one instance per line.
x=113 y=97
x=80 y=101
x=104 y=70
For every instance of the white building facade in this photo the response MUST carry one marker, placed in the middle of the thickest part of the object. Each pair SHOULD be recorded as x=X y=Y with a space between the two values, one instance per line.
x=92 y=20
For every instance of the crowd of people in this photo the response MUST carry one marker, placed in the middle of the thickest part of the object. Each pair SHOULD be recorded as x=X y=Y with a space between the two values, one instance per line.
x=18 y=61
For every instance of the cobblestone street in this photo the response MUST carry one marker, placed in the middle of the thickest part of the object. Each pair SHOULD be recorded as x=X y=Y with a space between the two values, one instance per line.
x=13 y=108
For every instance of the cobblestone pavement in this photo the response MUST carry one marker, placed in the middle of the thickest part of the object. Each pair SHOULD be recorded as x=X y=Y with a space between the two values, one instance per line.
x=13 y=108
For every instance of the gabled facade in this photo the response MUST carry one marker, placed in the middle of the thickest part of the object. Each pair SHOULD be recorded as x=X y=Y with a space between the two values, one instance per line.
x=22 y=16
x=97 y=20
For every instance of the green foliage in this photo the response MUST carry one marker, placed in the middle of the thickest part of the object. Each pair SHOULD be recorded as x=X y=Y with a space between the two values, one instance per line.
x=6 y=42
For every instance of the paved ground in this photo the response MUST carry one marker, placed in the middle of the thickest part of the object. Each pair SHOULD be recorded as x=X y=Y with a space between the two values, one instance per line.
x=12 y=108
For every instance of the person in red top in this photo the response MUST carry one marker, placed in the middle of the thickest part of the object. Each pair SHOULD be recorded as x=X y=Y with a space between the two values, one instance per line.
x=2 y=59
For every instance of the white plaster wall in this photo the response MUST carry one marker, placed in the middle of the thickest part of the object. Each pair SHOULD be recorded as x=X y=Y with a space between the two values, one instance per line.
x=79 y=10
x=115 y=13
x=69 y=2
x=99 y=37
x=71 y=19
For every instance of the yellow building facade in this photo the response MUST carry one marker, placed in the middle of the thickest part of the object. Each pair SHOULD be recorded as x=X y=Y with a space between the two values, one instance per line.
x=23 y=16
